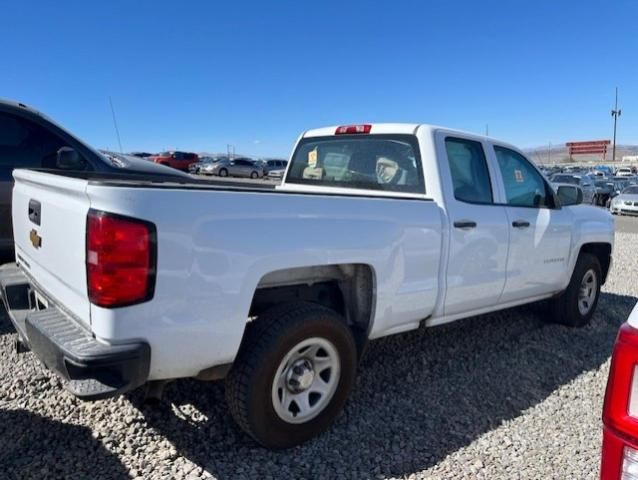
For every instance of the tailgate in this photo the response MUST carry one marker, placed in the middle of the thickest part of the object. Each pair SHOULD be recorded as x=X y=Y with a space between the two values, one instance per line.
x=49 y=222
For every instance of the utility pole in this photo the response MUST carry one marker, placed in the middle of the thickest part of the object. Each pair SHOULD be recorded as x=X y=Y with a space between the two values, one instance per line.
x=549 y=153
x=616 y=112
x=487 y=130
x=115 y=124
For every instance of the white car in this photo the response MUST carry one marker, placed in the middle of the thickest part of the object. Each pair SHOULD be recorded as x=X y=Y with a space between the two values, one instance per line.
x=626 y=203
x=376 y=230
x=624 y=172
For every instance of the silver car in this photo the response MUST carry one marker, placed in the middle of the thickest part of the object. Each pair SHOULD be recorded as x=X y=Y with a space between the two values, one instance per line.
x=239 y=167
x=277 y=174
x=585 y=182
x=626 y=203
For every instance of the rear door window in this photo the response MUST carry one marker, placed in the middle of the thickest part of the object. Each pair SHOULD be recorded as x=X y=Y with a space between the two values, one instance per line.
x=371 y=162
x=468 y=166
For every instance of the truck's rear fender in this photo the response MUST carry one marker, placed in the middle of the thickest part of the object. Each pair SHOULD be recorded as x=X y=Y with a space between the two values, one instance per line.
x=349 y=289
x=215 y=247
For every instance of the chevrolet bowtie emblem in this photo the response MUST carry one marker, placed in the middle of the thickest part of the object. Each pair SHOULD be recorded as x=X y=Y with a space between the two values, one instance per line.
x=36 y=240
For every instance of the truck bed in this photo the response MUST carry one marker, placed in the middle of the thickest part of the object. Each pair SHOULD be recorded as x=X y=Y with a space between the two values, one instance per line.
x=216 y=243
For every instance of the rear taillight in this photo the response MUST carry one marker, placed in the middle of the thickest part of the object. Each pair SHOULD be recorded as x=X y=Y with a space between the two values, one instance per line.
x=620 y=412
x=353 y=129
x=120 y=259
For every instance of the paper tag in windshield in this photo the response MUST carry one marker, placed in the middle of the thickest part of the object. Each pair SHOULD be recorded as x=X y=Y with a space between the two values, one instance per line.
x=519 y=176
x=312 y=158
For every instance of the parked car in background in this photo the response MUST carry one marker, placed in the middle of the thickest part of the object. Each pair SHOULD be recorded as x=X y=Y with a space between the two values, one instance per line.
x=28 y=139
x=620 y=183
x=205 y=165
x=274 y=164
x=624 y=172
x=277 y=174
x=605 y=170
x=238 y=167
x=585 y=182
x=141 y=154
x=178 y=160
x=357 y=248
x=626 y=203
x=605 y=189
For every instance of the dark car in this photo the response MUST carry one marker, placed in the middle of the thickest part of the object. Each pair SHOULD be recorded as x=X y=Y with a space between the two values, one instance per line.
x=141 y=154
x=29 y=139
x=604 y=191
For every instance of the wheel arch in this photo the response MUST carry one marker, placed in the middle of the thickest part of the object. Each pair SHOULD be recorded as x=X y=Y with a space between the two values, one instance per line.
x=602 y=251
x=349 y=289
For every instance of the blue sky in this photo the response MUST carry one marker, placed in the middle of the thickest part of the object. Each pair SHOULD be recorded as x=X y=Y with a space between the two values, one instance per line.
x=197 y=75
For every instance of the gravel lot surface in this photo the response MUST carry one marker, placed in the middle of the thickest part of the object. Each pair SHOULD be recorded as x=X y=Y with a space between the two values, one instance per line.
x=499 y=396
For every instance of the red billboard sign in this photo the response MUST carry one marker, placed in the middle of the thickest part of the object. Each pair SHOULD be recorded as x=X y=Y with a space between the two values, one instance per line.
x=590 y=147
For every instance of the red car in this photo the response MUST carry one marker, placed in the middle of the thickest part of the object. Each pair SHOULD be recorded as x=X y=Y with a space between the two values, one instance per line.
x=178 y=160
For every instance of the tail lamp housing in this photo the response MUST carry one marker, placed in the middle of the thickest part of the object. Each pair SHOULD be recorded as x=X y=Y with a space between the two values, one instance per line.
x=121 y=259
x=619 y=459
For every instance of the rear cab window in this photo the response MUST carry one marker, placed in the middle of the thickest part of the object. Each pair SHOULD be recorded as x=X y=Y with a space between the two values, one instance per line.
x=388 y=162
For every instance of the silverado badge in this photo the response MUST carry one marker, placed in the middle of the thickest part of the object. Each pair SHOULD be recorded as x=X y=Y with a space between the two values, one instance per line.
x=36 y=240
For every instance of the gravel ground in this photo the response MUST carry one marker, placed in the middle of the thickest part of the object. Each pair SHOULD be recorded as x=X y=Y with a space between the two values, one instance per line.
x=499 y=396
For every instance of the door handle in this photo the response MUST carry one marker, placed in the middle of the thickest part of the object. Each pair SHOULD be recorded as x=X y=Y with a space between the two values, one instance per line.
x=465 y=224
x=520 y=224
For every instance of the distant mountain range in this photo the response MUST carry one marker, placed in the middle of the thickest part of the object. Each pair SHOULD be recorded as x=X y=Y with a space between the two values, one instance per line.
x=560 y=154
x=238 y=155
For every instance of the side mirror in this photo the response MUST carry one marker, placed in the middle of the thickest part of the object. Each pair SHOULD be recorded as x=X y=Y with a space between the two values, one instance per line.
x=69 y=159
x=569 y=195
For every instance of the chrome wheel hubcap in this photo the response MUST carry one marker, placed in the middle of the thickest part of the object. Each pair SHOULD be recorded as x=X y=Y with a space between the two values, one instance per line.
x=587 y=293
x=306 y=380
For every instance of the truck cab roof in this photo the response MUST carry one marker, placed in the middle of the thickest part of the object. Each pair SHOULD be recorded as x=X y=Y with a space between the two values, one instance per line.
x=385 y=128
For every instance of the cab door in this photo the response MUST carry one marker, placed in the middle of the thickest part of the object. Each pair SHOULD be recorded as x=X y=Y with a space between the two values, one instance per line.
x=540 y=231
x=478 y=226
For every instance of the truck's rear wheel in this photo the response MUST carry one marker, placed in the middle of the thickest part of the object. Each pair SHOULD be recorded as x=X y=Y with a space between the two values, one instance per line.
x=293 y=374
x=576 y=305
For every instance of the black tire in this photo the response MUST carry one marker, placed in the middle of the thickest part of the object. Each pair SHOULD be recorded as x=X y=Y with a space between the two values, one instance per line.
x=254 y=175
x=223 y=172
x=565 y=308
x=249 y=384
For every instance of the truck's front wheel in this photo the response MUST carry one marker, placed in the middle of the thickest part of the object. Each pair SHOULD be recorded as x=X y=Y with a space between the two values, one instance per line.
x=293 y=374
x=576 y=305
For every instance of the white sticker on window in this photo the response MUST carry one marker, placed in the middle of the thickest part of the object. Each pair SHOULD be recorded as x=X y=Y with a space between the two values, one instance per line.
x=312 y=158
x=519 y=176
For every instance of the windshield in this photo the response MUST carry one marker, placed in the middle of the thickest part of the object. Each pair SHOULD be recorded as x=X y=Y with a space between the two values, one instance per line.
x=565 y=179
x=630 y=190
x=371 y=162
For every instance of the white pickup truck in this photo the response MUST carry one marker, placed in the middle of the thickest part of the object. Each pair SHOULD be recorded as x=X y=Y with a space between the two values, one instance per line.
x=376 y=229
